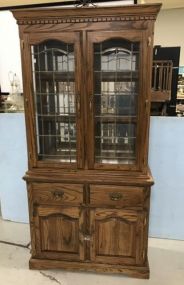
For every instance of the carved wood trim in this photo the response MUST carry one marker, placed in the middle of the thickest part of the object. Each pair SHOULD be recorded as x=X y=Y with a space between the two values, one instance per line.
x=114 y=218
x=59 y=215
x=87 y=15
x=74 y=20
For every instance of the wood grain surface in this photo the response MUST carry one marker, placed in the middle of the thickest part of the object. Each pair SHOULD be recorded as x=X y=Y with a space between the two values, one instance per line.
x=88 y=215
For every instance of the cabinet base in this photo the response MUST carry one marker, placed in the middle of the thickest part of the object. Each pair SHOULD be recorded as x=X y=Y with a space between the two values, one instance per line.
x=132 y=271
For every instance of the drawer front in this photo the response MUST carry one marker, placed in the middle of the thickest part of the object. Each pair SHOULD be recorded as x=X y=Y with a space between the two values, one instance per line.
x=123 y=196
x=57 y=193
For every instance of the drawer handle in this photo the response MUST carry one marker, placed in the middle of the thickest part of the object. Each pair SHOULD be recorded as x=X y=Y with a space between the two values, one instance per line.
x=58 y=195
x=115 y=196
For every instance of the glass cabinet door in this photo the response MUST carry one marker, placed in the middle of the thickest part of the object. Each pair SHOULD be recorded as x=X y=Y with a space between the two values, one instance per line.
x=114 y=101
x=56 y=95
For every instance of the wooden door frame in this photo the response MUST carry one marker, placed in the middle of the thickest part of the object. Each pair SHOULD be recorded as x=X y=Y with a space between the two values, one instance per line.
x=36 y=38
x=100 y=36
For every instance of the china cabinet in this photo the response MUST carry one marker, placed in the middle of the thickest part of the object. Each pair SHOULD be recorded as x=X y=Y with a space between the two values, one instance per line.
x=87 y=79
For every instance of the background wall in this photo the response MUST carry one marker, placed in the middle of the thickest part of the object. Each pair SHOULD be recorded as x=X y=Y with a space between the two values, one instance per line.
x=13 y=164
x=10 y=58
x=9 y=50
x=169 y=30
x=166 y=139
x=165 y=159
x=27 y=2
x=167 y=166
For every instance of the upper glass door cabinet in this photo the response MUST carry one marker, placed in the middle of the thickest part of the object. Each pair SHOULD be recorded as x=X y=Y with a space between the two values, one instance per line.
x=114 y=100
x=57 y=101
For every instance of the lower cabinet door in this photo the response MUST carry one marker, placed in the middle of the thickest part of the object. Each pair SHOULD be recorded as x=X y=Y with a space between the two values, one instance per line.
x=117 y=236
x=58 y=234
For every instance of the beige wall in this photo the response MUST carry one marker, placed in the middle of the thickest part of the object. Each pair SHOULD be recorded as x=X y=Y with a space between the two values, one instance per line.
x=169 y=30
x=9 y=50
x=26 y=2
x=9 y=45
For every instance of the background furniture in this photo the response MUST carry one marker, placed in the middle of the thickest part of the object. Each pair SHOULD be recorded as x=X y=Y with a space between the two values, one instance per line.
x=161 y=86
x=171 y=55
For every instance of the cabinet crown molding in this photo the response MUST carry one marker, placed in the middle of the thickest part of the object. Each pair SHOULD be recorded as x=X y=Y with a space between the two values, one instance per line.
x=87 y=15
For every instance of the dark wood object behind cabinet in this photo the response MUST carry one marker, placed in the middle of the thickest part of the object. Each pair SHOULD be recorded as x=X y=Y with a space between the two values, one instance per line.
x=87 y=78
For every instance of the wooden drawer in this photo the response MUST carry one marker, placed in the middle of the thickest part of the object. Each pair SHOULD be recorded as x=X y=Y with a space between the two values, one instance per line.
x=57 y=193
x=112 y=195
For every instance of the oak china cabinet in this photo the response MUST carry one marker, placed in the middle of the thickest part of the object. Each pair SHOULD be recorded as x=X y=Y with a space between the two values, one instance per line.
x=87 y=77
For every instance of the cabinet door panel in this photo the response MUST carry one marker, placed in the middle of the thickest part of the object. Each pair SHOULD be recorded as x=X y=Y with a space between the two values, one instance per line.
x=117 y=236
x=56 y=97
x=58 y=233
x=115 y=90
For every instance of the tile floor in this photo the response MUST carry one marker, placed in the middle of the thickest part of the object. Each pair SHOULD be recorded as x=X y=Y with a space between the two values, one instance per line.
x=166 y=259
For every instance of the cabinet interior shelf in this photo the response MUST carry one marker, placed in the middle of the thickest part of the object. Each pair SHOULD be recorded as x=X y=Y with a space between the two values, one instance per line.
x=103 y=118
x=116 y=76
x=103 y=76
x=55 y=75
x=117 y=119
x=67 y=118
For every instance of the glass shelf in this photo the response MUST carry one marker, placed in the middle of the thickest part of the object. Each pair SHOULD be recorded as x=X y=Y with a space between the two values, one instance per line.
x=126 y=76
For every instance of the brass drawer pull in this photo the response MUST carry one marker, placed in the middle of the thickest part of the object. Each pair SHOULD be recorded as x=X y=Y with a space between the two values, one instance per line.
x=58 y=195
x=115 y=196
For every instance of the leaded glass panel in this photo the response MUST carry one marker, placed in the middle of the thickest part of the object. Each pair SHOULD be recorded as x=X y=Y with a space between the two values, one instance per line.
x=116 y=73
x=54 y=96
